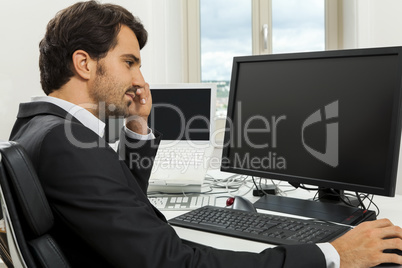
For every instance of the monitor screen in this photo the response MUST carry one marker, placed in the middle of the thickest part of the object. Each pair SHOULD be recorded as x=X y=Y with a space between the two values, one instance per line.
x=182 y=111
x=330 y=119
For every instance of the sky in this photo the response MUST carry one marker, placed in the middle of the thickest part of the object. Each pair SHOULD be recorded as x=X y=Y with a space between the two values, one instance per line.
x=298 y=25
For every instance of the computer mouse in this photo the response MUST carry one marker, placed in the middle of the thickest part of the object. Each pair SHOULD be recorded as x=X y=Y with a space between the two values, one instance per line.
x=240 y=203
x=391 y=265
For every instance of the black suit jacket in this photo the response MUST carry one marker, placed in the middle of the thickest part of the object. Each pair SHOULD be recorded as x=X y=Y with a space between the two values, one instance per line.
x=102 y=215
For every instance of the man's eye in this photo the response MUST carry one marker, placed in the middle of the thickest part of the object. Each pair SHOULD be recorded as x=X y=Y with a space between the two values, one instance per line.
x=129 y=63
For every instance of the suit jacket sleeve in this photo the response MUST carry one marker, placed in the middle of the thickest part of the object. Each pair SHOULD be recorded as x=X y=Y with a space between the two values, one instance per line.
x=139 y=156
x=102 y=199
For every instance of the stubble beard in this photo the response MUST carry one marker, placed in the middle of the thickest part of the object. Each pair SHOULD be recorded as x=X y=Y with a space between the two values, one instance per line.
x=108 y=96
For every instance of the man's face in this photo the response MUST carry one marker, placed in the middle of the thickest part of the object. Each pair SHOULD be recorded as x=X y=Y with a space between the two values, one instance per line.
x=118 y=76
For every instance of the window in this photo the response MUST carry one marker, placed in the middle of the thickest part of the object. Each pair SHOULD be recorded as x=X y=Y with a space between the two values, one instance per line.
x=244 y=27
x=298 y=25
x=225 y=32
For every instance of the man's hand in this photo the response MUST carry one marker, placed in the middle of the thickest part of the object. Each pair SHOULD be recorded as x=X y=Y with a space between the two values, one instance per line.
x=139 y=111
x=364 y=245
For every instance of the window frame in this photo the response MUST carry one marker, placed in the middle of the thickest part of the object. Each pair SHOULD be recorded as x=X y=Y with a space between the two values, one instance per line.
x=191 y=32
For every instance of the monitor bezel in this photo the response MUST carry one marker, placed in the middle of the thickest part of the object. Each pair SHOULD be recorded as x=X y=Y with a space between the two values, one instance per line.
x=395 y=133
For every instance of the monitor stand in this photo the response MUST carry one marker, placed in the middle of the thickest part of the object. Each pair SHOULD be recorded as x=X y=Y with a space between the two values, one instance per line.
x=312 y=209
x=335 y=196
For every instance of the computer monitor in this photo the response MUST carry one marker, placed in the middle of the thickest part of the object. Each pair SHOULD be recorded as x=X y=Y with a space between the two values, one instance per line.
x=184 y=111
x=184 y=114
x=330 y=119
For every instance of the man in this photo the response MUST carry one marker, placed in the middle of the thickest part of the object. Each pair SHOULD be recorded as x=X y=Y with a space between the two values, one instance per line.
x=90 y=69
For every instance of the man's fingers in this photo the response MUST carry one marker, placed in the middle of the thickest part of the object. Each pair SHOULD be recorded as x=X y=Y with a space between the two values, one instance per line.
x=142 y=94
x=382 y=229
x=382 y=223
x=390 y=257
x=392 y=244
x=393 y=232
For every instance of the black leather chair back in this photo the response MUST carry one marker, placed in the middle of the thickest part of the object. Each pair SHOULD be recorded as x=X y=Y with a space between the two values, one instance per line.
x=28 y=209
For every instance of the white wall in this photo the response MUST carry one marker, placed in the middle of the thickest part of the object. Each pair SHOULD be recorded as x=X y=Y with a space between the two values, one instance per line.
x=373 y=23
x=22 y=26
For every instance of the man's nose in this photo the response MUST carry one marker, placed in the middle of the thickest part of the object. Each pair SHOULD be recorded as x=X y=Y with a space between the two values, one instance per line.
x=138 y=78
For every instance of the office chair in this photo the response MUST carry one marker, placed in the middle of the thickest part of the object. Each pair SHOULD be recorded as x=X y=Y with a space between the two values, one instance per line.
x=26 y=212
x=4 y=250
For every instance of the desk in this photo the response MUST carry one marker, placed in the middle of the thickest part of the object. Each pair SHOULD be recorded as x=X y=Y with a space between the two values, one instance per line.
x=389 y=208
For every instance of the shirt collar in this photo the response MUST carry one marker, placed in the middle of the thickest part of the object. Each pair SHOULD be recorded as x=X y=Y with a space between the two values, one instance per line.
x=81 y=114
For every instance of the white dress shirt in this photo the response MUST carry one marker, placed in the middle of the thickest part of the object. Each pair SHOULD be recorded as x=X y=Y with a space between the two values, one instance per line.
x=88 y=119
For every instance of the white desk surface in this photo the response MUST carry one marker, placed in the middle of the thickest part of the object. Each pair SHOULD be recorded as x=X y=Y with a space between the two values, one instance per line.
x=390 y=207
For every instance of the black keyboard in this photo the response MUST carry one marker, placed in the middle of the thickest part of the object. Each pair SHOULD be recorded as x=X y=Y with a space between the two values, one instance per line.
x=260 y=227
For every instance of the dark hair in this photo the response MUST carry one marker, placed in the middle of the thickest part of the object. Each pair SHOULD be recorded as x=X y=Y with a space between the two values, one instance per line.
x=90 y=26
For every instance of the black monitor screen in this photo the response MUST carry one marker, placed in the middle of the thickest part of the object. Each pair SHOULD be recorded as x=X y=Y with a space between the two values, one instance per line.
x=328 y=118
x=181 y=113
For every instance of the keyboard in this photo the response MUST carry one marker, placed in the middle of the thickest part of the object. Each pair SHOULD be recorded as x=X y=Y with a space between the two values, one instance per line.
x=179 y=155
x=181 y=202
x=259 y=227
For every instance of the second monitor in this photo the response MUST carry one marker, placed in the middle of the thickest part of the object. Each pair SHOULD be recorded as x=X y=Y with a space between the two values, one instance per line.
x=184 y=114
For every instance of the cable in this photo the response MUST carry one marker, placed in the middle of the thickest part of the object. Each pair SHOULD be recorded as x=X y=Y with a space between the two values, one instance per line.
x=260 y=188
x=361 y=198
x=302 y=186
x=360 y=201
x=255 y=184
x=232 y=184
x=371 y=202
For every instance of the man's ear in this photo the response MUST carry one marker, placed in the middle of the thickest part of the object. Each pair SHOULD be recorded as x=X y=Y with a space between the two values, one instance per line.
x=83 y=64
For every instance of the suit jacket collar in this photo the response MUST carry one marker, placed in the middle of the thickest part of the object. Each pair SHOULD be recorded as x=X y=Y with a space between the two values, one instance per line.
x=31 y=109
x=66 y=110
